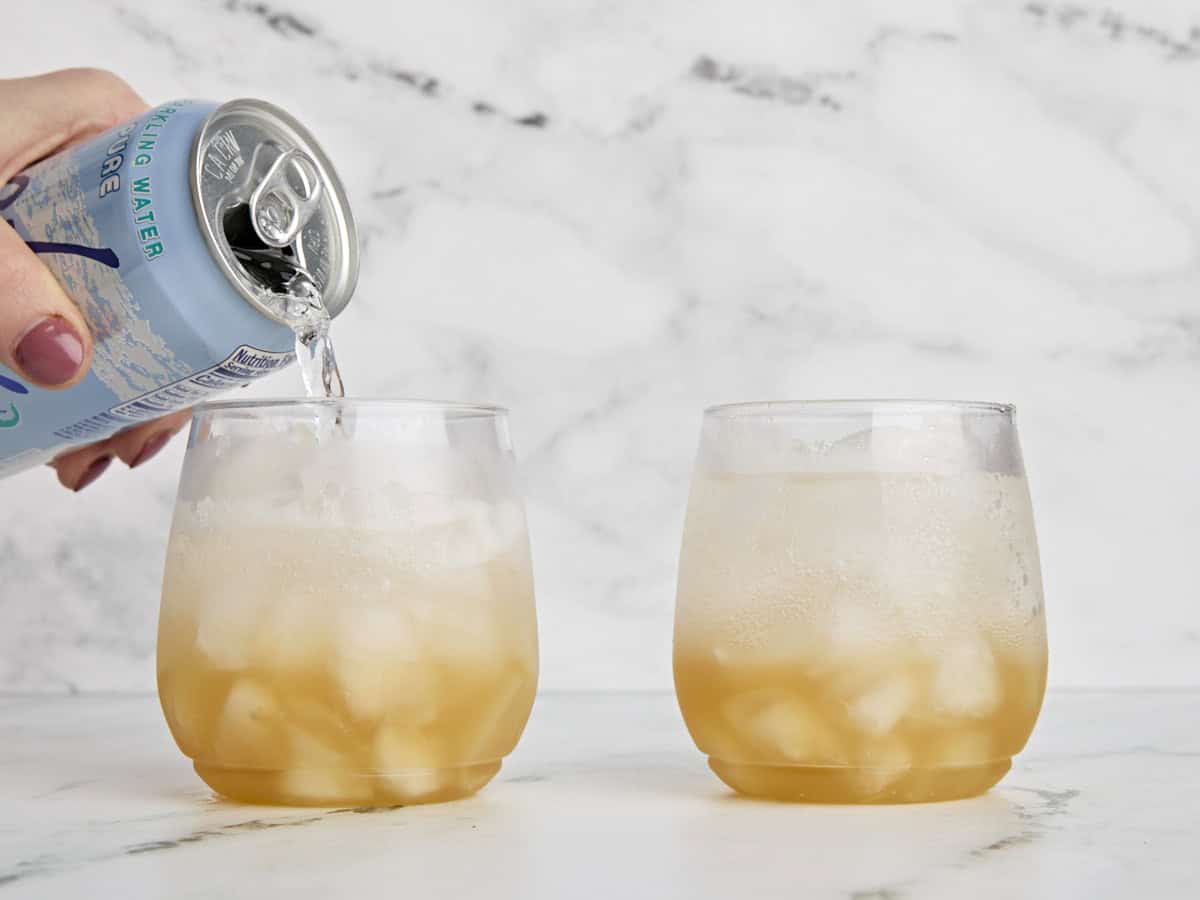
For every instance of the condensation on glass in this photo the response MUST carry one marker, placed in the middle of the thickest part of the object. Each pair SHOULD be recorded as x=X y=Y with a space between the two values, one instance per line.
x=859 y=614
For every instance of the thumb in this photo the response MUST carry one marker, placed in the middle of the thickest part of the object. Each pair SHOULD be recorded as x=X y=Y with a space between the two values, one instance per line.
x=43 y=336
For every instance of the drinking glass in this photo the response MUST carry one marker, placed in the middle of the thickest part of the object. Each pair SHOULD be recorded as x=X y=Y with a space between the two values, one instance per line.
x=347 y=609
x=859 y=615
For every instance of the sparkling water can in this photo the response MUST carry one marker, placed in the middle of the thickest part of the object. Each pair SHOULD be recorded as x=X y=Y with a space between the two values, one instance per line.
x=173 y=233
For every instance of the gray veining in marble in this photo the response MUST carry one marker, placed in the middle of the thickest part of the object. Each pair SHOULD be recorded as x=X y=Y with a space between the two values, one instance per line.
x=608 y=214
x=604 y=797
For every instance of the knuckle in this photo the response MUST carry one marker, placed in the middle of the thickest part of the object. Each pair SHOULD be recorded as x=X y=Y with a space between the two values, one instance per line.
x=99 y=84
x=19 y=281
x=100 y=79
x=26 y=287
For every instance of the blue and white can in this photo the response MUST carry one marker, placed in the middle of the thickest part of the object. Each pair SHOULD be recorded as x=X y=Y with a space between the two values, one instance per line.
x=171 y=233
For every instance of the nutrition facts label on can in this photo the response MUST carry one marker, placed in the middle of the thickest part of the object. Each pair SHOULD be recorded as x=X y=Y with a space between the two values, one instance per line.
x=241 y=366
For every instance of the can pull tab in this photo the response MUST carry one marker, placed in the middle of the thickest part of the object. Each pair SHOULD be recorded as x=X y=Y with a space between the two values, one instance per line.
x=277 y=210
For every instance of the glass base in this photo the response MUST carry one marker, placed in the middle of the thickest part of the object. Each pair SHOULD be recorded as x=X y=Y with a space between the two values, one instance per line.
x=845 y=784
x=335 y=787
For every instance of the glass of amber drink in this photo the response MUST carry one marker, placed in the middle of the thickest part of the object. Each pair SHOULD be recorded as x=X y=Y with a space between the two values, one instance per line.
x=859 y=615
x=347 y=609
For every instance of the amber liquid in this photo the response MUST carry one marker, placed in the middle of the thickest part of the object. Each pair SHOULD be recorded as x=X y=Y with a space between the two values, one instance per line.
x=860 y=637
x=790 y=732
x=348 y=677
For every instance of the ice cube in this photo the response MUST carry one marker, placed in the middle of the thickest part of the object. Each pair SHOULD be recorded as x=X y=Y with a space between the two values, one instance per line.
x=409 y=761
x=415 y=785
x=325 y=787
x=494 y=732
x=233 y=469
x=470 y=533
x=964 y=748
x=225 y=628
x=476 y=638
x=249 y=731
x=379 y=665
x=419 y=510
x=475 y=617
x=881 y=765
x=291 y=635
x=877 y=710
x=429 y=470
x=318 y=771
x=854 y=632
x=966 y=683
x=317 y=734
x=375 y=631
x=459 y=532
x=506 y=521
x=401 y=745
x=310 y=750
x=782 y=727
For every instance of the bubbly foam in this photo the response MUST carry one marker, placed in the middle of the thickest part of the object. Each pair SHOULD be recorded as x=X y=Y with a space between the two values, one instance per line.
x=850 y=566
x=437 y=496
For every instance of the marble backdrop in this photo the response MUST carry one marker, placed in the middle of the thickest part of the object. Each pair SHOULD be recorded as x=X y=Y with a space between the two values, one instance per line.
x=609 y=214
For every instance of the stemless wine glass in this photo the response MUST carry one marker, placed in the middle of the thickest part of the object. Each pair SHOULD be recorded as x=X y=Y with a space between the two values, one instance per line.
x=859 y=616
x=347 y=613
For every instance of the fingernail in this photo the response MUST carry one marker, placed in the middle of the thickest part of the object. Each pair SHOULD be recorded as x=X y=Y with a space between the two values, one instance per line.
x=151 y=447
x=94 y=471
x=50 y=352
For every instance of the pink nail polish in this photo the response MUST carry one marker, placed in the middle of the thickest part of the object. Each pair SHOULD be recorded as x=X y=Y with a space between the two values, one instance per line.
x=150 y=448
x=94 y=471
x=50 y=352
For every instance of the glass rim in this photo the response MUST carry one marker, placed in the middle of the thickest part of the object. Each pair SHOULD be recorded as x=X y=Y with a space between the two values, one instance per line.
x=770 y=408
x=399 y=406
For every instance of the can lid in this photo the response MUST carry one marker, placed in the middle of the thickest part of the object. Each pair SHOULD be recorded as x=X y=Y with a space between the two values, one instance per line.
x=270 y=204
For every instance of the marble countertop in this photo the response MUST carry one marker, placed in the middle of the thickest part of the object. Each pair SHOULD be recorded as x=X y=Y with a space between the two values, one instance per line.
x=608 y=215
x=605 y=797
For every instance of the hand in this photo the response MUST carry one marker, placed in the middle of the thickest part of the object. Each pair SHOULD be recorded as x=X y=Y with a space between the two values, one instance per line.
x=42 y=334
